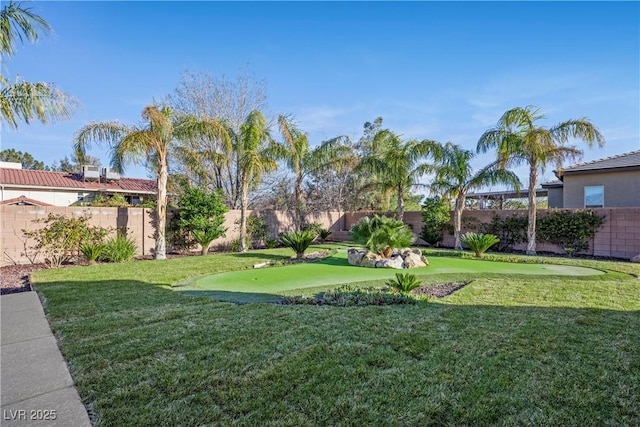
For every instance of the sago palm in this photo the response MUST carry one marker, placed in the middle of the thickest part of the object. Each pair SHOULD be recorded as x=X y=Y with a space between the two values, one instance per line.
x=518 y=139
x=150 y=143
x=455 y=178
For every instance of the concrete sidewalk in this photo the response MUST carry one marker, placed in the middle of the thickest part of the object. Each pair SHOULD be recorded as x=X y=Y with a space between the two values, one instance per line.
x=36 y=387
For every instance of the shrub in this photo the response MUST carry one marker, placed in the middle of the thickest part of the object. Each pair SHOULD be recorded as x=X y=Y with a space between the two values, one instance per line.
x=312 y=226
x=92 y=251
x=234 y=245
x=257 y=230
x=61 y=237
x=270 y=243
x=511 y=230
x=202 y=215
x=350 y=296
x=324 y=234
x=435 y=219
x=404 y=283
x=381 y=234
x=299 y=241
x=571 y=230
x=479 y=243
x=114 y=201
x=119 y=249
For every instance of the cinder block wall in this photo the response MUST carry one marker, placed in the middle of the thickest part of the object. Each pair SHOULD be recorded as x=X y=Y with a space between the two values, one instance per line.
x=619 y=237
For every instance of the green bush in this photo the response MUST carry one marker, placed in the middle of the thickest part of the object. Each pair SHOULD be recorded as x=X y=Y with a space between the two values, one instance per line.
x=404 y=283
x=511 y=230
x=234 y=245
x=202 y=214
x=479 y=243
x=270 y=243
x=60 y=239
x=92 y=251
x=324 y=234
x=119 y=249
x=435 y=219
x=312 y=226
x=382 y=234
x=571 y=230
x=114 y=201
x=299 y=241
x=351 y=296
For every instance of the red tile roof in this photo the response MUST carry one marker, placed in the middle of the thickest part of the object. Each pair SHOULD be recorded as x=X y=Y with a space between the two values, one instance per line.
x=23 y=200
x=65 y=180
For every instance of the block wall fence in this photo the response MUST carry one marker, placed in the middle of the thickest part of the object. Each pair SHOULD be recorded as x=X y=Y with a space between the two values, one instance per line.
x=618 y=238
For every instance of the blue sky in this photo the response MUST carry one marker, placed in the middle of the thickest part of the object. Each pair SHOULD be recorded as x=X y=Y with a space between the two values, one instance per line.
x=437 y=70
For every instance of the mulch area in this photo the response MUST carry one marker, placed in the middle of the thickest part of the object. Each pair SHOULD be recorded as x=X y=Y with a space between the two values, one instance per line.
x=439 y=291
x=16 y=278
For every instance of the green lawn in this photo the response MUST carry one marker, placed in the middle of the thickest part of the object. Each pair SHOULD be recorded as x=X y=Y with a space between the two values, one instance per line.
x=266 y=284
x=504 y=350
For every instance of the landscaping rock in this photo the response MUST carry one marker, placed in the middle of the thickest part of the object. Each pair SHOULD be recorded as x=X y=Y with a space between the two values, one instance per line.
x=398 y=260
x=412 y=260
x=395 y=261
x=636 y=258
x=354 y=256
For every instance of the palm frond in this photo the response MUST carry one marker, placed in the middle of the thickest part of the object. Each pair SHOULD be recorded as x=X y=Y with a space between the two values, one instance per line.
x=18 y=23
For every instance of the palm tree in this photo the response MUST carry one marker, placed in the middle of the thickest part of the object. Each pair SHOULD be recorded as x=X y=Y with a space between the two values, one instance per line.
x=254 y=158
x=303 y=160
x=517 y=139
x=150 y=143
x=455 y=178
x=396 y=165
x=24 y=100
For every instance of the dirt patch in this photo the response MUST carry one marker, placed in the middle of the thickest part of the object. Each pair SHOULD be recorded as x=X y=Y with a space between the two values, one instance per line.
x=17 y=278
x=439 y=291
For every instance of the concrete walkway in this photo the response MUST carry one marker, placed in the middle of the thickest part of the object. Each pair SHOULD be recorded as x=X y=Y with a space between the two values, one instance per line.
x=35 y=384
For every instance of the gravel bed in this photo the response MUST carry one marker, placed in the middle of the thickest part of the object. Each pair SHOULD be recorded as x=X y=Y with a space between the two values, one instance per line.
x=16 y=278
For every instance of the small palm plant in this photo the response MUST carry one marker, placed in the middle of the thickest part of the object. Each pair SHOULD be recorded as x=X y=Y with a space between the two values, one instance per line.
x=479 y=243
x=92 y=251
x=324 y=234
x=204 y=238
x=404 y=283
x=299 y=241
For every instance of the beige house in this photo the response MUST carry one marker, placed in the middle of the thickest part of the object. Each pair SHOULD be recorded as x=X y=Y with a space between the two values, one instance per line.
x=44 y=188
x=612 y=182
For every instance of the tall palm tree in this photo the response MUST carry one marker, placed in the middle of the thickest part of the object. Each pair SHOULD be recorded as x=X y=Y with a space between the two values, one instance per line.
x=302 y=160
x=150 y=143
x=455 y=178
x=518 y=139
x=254 y=158
x=397 y=165
x=24 y=100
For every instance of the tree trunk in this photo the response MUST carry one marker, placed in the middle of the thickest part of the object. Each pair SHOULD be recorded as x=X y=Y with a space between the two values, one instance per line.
x=161 y=211
x=531 y=229
x=299 y=207
x=400 y=203
x=457 y=220
x=243 y=216
x=205 y=249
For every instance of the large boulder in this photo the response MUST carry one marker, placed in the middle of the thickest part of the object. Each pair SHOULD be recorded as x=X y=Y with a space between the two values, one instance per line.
x=413 y=260
x=370 y=260
x=354 y=256
x=395 y=261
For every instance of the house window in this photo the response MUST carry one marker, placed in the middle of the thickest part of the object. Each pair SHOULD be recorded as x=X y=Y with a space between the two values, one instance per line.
x=81 y=197
x=594 y=197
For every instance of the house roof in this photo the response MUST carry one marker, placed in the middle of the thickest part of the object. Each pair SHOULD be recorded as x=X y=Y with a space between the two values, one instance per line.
x=552 y=184
x=625 y=160
x=67 y=181
x=23 y=200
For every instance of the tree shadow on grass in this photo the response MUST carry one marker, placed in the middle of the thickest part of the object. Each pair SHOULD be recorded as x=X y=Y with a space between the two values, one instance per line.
x=234 y=297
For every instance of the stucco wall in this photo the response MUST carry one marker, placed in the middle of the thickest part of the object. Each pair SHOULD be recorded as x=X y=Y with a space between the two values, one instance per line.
x=55 y=198
x=621 y=189
x=554 y=197
x=619 y=237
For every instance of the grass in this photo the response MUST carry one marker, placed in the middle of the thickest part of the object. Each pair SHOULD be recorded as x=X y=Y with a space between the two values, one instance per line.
x=504 y=350
x=267 y=284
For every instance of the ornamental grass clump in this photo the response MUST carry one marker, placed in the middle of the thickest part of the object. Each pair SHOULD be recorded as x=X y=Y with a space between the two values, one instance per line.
x=479 y=243
x=119 y=249
x=382 y=235
x=299 y=241
x=92 y=251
